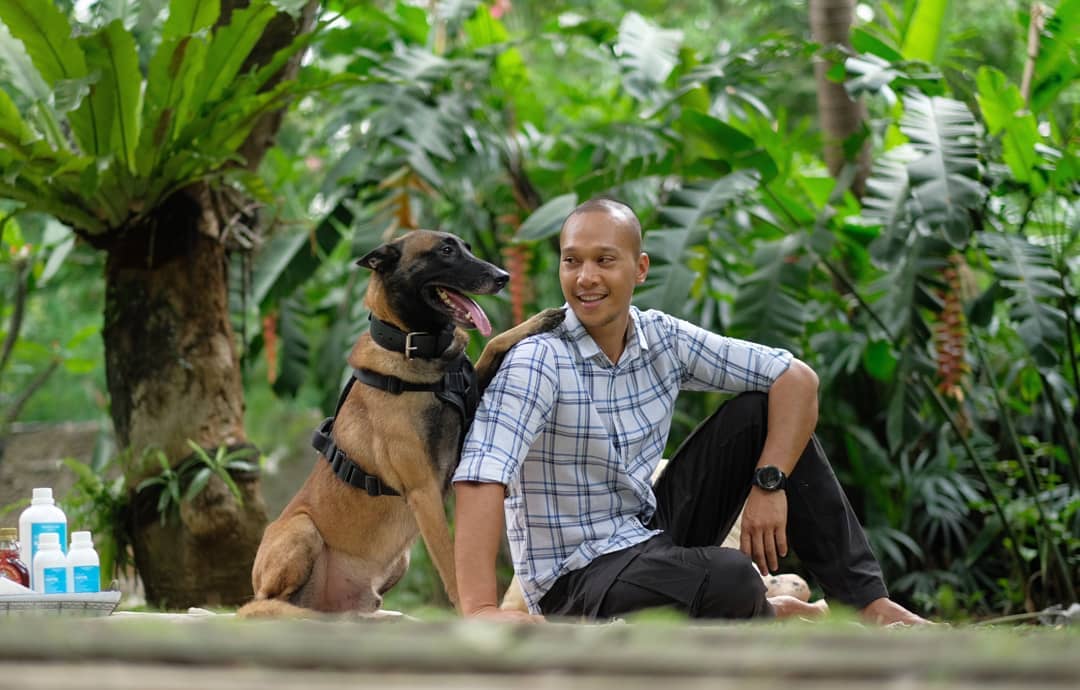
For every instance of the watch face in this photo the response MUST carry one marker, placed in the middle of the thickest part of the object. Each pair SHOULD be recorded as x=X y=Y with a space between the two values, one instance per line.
x=769 y=477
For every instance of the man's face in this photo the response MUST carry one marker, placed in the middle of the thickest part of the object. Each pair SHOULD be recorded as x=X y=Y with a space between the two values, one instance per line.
x=600 y=263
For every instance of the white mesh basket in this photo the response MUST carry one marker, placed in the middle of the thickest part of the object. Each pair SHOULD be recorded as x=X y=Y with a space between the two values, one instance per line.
x=85 y=604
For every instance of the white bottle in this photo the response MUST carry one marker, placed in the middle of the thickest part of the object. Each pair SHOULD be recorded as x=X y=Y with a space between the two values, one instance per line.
x=84 y=566
x=42 y=517
x=50 y=566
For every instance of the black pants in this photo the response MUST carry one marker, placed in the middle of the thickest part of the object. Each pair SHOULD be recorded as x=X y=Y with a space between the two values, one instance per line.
x=699 y=496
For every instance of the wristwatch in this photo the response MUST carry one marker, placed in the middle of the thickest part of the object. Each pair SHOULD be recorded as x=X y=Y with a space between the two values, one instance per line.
x=769 y=478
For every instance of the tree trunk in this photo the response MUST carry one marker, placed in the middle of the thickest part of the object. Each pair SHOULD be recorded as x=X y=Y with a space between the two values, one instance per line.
x=173 y=376
x=841 y=117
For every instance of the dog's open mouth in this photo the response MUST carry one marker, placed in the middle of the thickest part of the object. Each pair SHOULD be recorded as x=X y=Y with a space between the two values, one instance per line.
x=462 y=309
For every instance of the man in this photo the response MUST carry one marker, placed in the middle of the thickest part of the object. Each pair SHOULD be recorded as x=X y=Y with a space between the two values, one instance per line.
x=572 y=426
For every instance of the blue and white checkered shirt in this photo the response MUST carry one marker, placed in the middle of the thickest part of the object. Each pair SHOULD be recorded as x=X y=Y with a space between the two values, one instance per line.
x=575 y=438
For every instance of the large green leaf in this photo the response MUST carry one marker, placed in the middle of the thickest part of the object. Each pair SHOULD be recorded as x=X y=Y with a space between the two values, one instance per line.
x=55 y=62
x=20 y=68
x=647 y=53
x=228 y=49
x=716 y=141
x=14 y=132
x=294 y=349
x=187 y=17
x=289 y=259
x=1006 y=116
x=114 y=99
x=548 y=219
x=174 y=74
x=770 y=303
x=1058 y=64
x=925 y=37
x=46 y=34
x=1027 y=271
x=887 y=200
x=944 y=180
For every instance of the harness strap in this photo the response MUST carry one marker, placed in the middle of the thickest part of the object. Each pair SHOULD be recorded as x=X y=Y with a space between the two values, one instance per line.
x=457 y=387
x=343 y=466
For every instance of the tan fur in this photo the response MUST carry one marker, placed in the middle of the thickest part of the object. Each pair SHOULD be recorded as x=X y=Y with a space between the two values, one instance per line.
x=336 y=549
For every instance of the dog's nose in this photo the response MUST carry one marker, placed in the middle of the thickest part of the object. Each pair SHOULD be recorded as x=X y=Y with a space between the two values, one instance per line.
x=501 y=279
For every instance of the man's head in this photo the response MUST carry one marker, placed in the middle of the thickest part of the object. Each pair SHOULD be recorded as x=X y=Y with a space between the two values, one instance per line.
x=600 y=263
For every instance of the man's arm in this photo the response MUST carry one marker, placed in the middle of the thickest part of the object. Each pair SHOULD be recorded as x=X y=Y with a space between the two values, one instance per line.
x=793 y=413
x=478 y=532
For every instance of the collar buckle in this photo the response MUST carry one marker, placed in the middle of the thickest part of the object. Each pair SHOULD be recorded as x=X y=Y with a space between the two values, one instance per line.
x=409 y=347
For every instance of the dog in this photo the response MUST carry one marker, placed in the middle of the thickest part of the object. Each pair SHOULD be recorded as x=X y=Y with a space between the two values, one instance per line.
x=387 y=455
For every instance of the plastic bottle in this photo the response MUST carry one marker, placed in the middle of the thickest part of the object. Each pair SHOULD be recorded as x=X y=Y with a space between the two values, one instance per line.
x=11 y=566
x=50 y=566
x=42 y=517
x=84 y=566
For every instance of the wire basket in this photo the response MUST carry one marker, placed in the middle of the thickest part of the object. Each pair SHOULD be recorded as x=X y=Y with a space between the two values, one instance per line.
x=83 y=604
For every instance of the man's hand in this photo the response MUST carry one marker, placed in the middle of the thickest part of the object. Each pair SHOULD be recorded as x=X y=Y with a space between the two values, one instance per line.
x=764 y=528
x=494 y=613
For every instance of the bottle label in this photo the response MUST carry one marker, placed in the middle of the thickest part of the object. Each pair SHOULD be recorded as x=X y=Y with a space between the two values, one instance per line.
x=54 y=580
x=39 y=528
x=86 y=578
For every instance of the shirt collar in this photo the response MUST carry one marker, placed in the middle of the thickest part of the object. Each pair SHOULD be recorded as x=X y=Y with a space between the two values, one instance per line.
x=588 y=348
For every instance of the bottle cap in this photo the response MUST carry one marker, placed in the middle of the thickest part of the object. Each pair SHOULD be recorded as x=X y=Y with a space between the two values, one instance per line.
x=8 y=534
x=42 y=494
x=82 y=538
x=49 y=539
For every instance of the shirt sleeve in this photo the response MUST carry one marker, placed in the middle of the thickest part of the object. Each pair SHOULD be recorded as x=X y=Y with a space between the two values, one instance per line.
x=513 y=411
x=718 y=363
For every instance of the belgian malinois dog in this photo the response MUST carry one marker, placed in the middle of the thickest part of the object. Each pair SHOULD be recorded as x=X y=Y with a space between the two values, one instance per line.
x=387 y=455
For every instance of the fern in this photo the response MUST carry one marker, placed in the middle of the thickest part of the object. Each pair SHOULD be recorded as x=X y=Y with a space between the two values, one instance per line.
x=1027 y=270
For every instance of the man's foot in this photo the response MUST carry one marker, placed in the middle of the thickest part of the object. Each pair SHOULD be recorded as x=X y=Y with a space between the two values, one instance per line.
x=787 y=606
x=885 y=611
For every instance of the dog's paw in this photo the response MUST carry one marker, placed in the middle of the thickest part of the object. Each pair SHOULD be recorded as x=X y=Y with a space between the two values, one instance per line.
x=546 y=320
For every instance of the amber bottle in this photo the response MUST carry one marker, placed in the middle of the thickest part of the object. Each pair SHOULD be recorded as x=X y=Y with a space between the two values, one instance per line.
x=10 y=566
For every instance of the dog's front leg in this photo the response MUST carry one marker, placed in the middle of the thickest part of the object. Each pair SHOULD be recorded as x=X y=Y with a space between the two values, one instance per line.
x=427 y=505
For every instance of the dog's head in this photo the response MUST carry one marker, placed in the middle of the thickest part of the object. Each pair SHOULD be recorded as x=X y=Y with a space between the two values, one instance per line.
x=425 y=275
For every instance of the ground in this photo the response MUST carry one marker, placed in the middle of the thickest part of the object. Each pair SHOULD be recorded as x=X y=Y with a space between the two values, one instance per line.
x=149 y=653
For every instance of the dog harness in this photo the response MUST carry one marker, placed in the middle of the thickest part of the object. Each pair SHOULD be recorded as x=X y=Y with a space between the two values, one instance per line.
x=457 y=387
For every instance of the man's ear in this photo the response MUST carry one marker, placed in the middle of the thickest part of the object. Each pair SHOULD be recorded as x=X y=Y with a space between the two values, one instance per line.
x=642 y=267
x=381 y=259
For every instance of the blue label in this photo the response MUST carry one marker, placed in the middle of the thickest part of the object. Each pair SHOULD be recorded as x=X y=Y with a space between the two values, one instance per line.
x=55 y=580
x=39 y=528
x=86 y=578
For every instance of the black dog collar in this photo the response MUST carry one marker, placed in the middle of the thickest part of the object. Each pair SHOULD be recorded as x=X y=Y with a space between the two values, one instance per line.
x=415 y=344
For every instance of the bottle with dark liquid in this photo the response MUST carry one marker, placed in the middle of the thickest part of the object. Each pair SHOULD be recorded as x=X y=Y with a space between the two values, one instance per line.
x=10 y=566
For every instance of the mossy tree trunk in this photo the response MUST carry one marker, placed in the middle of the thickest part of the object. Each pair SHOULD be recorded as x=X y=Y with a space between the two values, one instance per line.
x=173 y=374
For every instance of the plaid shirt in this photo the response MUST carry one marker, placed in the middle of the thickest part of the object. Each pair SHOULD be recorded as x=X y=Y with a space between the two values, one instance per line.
x=575 y=438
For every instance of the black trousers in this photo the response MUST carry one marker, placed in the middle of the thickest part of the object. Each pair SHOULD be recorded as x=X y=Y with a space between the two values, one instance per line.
x=699 y=496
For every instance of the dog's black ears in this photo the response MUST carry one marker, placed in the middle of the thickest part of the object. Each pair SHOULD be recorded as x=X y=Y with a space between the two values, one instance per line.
x=381 y=259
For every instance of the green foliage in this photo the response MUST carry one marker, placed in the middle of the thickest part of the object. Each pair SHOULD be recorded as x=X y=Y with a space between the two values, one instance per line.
x=101 y=143
x=967 y=478
x=188 y=479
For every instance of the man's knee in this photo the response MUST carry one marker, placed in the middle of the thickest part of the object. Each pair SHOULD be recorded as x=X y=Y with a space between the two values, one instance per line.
x=733 y=588
x=750 y=407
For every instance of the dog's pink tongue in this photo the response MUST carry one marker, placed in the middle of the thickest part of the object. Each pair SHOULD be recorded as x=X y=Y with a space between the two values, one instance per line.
x=479 y=318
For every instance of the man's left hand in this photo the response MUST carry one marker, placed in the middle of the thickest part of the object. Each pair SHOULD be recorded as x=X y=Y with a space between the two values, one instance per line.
x=764 y=528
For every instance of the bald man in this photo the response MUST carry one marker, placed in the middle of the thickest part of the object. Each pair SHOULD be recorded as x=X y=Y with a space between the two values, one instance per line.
x=572 y=426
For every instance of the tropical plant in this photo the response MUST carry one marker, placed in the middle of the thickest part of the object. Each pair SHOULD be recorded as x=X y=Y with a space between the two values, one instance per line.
x=147 y=159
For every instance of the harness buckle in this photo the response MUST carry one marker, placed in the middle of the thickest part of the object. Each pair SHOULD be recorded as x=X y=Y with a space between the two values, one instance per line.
x=372 y=485
x=409 y=347
x=394 y=385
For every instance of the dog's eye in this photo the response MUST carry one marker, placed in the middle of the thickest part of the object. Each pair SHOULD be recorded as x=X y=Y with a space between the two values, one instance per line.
x=447 y=250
